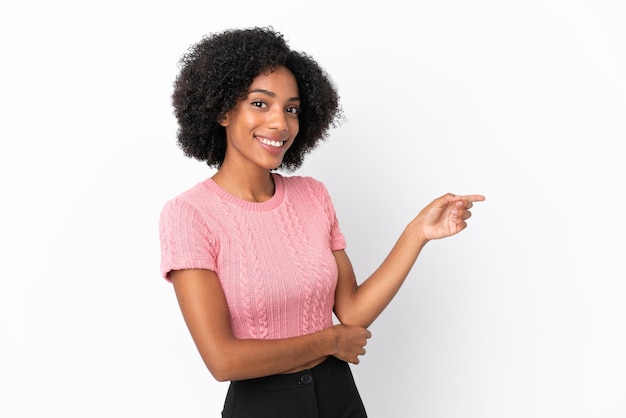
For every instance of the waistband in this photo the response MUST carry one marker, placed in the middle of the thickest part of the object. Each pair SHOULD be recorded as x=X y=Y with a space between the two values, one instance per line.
x=298 y=379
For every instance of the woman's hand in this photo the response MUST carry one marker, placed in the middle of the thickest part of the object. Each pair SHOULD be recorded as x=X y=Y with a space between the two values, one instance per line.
x=446 y=215
x=351 y=342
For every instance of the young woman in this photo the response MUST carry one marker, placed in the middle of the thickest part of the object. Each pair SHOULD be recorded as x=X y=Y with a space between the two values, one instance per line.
x=257 y=259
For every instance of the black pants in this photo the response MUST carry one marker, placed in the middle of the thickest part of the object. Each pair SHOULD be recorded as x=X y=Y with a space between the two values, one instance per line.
x=325 y=391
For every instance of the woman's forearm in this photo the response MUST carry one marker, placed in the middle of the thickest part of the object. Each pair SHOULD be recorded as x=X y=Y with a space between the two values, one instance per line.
x=250 y=358
x=361 y=304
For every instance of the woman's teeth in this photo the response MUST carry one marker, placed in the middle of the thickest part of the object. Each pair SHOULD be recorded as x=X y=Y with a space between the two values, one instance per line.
x=271 y=143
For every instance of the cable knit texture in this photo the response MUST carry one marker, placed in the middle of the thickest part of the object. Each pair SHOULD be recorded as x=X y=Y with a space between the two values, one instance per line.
x=274 y=259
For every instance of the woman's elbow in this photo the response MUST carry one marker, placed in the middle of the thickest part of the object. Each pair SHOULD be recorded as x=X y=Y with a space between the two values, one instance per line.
x=220 y=370
x=221 y=364
x=352 y=319
x=220 y=376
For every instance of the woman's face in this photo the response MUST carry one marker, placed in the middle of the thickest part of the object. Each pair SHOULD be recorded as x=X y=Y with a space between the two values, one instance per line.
x=263 y=125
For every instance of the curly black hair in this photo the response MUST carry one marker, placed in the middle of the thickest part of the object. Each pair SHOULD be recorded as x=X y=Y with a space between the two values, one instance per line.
x=217 y=72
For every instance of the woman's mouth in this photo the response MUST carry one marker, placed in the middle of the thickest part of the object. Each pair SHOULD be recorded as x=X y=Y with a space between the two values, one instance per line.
x=276 y=144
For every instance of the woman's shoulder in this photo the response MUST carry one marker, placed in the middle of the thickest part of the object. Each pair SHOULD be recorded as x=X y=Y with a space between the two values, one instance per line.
x=192 y=196
x=305 y=187
x=299 y=181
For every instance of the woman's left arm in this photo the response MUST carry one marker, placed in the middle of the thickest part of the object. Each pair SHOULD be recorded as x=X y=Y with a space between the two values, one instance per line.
x=361 y=304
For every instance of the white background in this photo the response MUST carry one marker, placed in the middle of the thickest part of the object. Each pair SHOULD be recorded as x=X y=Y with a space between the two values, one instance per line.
x=522 y=315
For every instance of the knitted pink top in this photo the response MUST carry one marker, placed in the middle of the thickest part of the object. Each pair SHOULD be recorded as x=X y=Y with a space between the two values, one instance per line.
x=274 y=259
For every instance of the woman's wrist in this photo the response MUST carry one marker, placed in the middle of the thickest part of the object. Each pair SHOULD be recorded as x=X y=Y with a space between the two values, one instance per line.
x=330 y=338
x=416 y=230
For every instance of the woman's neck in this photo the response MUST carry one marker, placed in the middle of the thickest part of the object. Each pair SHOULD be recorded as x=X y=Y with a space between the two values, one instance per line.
x=257 y=186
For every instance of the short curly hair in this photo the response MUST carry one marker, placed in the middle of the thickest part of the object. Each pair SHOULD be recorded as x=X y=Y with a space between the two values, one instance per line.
x=217 y=72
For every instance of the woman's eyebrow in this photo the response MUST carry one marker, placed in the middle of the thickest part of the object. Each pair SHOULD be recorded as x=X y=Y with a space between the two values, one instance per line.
x=272 y=94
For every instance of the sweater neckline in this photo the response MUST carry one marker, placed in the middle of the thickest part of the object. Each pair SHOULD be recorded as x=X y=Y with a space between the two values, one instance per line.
x=272 y=203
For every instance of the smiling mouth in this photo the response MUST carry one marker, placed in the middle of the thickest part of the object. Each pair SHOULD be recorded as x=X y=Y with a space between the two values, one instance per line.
x=276 y=144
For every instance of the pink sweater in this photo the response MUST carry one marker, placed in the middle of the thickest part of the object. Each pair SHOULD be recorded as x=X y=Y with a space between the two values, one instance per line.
x=274 y=259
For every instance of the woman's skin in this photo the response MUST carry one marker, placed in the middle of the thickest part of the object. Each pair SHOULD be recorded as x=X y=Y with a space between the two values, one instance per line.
x=258 y=133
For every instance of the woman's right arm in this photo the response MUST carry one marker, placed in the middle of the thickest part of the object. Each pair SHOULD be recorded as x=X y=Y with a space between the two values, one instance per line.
x=205 y=311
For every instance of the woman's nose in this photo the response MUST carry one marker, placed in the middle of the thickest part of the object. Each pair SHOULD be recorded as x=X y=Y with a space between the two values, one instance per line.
x=278 y=120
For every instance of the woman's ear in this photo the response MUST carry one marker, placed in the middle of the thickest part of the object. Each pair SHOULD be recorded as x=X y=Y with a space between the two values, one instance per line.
x=223 y=120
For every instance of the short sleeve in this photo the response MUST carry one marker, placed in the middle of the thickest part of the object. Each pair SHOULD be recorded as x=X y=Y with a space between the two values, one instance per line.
x=186 y=241
x=337 y=239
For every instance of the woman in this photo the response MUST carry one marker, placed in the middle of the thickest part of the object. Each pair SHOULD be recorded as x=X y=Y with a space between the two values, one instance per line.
x=257 y=259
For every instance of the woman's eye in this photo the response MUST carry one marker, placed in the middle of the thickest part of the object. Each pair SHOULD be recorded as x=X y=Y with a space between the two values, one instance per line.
x=258 y=103
x=293 y=110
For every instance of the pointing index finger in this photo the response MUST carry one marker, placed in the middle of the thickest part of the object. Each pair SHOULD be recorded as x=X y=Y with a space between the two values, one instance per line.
x=472 y=197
